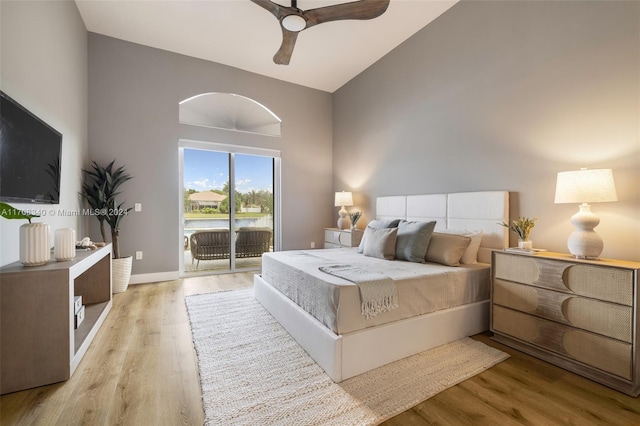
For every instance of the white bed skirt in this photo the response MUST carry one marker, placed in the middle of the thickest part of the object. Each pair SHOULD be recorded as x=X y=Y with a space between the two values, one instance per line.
x=345 y=356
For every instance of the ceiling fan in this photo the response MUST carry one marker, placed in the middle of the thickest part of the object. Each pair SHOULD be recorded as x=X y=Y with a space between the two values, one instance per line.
x=293 y=20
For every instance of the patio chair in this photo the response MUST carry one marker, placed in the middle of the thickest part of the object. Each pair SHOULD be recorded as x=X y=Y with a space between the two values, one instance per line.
x=252 y=242
x=211 y=244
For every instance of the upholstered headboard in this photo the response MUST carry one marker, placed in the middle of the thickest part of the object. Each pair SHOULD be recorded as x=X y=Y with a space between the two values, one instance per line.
x=463 y=210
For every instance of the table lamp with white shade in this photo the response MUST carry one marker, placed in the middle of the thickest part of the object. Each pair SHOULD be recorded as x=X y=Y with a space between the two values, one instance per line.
x=585 y=186
x=343 y=199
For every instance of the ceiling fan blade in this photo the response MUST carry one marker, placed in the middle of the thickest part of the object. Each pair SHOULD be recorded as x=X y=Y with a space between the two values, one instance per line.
x=363 y=9
x=283 y=55
x=275 y=9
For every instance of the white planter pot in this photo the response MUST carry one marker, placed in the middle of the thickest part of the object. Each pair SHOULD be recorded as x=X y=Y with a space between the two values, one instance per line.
x=35 y=244
x=120 y=273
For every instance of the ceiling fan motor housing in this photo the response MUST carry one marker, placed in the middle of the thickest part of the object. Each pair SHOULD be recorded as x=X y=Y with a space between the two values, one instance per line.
x=294 y=22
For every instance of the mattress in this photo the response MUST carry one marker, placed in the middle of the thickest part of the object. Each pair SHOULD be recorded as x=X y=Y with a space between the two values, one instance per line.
x=335 y=302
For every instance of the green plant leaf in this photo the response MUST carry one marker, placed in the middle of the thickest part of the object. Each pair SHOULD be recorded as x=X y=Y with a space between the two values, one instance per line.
x=10 y=212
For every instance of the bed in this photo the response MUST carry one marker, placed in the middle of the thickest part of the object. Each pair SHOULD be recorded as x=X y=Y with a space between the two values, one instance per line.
x=346 y=345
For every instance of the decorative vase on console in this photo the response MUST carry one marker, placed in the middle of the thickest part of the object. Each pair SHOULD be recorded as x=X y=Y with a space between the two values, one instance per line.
x=64 y=244
x=35 y=243
x=35 y=238
x=354 y=216
x=522 y=226
x=525 y=244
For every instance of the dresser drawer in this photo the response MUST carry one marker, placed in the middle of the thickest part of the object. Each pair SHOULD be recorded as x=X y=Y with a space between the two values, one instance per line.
x=337 y=237
x=612 y=356
x=608 y=319
x=598 y=282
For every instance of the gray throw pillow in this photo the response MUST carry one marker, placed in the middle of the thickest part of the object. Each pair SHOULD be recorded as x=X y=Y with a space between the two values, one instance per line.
x=377 y=224
x=447 y=249
x=380 y=243
x=413 y=240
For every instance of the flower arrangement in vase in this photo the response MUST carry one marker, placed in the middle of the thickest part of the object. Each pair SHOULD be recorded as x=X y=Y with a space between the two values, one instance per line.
x=354 y=216
x=522 y=226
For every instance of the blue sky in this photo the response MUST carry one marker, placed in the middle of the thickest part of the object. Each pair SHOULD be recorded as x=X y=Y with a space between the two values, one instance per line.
x=204 y=170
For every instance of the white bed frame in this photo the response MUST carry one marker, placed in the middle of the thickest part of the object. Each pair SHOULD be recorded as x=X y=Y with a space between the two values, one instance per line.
x=345 y=356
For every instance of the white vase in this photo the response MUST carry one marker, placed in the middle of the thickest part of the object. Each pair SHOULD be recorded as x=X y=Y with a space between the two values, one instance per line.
x=64 y=244
x=121 y=273
x=35 y=247
x=525 y=244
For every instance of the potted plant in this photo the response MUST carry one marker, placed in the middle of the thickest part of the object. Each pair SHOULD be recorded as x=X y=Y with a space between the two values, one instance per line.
x=522 y=226
x=35 y=238
x=100 y=189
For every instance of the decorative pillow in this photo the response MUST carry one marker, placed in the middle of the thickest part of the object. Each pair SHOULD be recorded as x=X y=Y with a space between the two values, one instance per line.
x=470 y=255
x=447 y=249
x=377 y=224
x=413 y=240
x=380 y=243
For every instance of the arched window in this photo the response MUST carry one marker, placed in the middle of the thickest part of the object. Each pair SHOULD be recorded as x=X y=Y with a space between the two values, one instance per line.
x=231 y=112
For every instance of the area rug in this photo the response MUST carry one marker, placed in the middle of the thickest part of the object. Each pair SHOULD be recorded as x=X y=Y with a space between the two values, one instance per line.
x=253 y=373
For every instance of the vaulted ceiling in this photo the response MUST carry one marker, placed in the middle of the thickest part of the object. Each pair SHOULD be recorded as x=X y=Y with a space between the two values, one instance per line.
x=241 y=34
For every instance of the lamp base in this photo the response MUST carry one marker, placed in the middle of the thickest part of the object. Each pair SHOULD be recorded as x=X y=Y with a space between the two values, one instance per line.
x=584 y=242
x=343 y=221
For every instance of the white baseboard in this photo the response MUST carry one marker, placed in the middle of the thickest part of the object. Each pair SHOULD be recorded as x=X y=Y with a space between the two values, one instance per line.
x=155 y=277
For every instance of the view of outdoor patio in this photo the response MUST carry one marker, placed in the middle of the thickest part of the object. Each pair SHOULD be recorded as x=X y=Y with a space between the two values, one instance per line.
x=214 y=231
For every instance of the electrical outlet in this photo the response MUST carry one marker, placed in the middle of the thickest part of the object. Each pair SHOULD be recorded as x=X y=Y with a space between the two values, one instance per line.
x=138 y=255
x=313 y=244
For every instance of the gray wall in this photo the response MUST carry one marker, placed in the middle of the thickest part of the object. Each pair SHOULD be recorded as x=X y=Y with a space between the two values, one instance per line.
x=133 y=117
x=503 y=95
x=43 y=66
x=492 y=95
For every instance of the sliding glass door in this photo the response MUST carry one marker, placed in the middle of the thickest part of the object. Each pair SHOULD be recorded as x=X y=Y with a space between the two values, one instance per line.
x=229 y=208
x=254 y=212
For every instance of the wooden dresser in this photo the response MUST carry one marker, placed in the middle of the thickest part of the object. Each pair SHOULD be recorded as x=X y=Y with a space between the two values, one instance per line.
x=339 y=238
x=578 y=314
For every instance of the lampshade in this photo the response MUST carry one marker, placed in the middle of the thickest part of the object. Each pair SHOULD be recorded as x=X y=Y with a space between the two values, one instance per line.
x=585 y=186
x=343 y=199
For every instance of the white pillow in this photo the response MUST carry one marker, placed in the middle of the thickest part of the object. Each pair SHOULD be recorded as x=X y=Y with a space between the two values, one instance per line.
x=380 y=243
x=377 y=224
x=470 y=255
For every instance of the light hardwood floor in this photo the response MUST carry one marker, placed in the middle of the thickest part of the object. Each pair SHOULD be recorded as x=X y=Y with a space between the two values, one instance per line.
x=141 y=370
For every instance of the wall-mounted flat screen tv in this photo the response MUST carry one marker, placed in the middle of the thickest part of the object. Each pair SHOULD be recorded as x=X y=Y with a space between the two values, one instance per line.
x=29 y=156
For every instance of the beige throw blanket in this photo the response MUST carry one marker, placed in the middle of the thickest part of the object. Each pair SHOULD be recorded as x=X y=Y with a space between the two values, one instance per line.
x=378 y=292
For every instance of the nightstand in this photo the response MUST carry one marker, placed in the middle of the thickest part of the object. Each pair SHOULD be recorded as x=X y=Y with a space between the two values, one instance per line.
x=340 y=238
x=580 y=315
